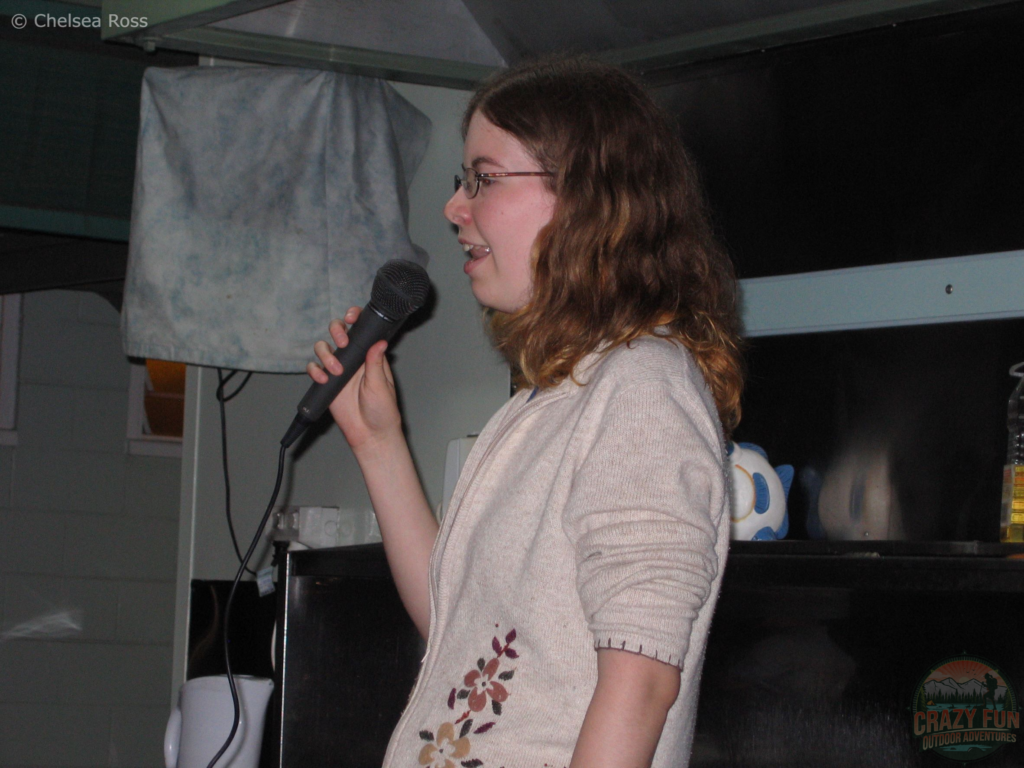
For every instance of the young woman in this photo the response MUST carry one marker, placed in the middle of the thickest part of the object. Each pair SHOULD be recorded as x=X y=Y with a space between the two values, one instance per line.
x=567 y=597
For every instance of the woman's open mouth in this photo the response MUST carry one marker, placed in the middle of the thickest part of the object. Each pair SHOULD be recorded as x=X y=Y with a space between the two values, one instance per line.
x=475 y=251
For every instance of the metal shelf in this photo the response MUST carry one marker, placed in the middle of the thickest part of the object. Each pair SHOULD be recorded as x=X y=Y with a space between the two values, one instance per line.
x=891 y=566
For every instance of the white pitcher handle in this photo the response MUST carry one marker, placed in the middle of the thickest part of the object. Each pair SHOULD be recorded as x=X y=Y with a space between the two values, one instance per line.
x=172 y=738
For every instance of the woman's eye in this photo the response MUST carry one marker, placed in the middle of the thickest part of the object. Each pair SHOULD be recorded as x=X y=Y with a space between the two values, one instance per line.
x=484 y=181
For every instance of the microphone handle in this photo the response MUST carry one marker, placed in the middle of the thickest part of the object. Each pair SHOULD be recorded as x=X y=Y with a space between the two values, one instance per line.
x=371 y=327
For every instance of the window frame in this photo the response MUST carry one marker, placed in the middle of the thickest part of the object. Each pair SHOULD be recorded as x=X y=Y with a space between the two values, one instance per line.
x=139 y=443
x=10 y=344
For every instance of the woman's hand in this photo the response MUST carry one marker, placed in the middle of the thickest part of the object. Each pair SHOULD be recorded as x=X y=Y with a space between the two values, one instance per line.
x=366 y=410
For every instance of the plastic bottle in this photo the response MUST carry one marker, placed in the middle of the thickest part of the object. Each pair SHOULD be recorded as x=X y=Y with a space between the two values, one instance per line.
x=1011 y=520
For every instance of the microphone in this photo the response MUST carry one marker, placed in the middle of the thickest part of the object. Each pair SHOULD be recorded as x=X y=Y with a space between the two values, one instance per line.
x=399 y=289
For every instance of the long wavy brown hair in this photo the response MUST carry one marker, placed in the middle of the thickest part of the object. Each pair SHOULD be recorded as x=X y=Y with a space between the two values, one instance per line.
x=630 y=246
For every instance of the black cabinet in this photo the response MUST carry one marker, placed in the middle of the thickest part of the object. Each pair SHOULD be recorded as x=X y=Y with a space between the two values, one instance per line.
x=815 y=652
x=347 y=657
x=817 y=648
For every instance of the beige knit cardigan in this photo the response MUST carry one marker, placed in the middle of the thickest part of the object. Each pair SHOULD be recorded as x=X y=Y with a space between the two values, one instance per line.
x=585 y=517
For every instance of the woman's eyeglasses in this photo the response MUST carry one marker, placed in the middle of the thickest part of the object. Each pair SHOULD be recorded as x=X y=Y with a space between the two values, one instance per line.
x=471 y=183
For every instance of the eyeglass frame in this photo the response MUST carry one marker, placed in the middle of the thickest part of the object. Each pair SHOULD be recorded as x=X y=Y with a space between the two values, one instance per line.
x=461 y=183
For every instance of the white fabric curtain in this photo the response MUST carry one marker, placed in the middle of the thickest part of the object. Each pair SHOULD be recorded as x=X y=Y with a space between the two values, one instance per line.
x=265 y=201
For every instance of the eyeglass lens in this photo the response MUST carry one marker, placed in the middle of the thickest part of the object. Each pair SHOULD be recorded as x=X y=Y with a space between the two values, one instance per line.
x=470 y=183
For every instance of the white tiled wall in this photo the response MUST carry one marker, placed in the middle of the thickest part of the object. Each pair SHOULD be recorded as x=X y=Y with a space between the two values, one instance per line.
x=88 y=540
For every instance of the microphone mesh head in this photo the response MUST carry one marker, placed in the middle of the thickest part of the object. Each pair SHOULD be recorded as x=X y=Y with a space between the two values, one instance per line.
x=400 y=288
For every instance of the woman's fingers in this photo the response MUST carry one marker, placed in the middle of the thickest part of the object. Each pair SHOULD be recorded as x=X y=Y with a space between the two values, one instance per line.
x=339 y=328
x=327 y=358
x=338 y=332
x=316 y=373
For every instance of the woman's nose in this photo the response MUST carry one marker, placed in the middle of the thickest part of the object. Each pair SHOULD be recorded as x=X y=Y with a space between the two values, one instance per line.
x=456 y=210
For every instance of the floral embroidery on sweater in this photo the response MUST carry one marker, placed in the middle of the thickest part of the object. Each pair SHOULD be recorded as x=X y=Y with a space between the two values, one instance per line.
x=481 y=686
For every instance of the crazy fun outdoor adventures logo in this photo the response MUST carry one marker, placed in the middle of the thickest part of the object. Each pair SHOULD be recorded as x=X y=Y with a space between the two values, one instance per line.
x=965 y=709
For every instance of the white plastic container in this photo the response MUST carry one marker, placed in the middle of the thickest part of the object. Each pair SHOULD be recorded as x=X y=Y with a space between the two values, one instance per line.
x=200 y=724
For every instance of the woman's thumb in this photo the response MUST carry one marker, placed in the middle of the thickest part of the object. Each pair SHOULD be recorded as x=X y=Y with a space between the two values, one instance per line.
x=375 y=362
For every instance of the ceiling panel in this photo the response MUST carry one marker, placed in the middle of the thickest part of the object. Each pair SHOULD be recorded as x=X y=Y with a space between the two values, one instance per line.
x=520 y=28
x=441 y=29
x=456 y=43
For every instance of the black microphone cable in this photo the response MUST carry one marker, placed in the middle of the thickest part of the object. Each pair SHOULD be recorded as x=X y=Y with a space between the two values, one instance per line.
x=222 y=382
x=231 y=597
x=399 y=289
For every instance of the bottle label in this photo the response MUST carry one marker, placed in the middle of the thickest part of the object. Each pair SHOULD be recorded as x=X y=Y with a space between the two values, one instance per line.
x=1013 y=493
x=265 y=580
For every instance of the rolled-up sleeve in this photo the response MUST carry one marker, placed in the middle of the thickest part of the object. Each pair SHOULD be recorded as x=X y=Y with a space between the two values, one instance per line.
x=644 y=513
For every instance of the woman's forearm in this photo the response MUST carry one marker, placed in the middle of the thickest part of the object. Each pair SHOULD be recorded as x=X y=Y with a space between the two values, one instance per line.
x=407 y=525
x=627 y=712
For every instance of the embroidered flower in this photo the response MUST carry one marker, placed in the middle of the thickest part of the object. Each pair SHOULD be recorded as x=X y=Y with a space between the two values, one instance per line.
x=445 y=749
x=481 y=685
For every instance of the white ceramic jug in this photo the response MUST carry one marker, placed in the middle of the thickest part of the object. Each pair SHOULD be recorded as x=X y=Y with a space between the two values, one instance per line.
x=200 y=724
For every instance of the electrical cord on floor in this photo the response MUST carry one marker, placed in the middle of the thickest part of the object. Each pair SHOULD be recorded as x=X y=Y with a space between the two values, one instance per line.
x=231 y=597
x=221 y=399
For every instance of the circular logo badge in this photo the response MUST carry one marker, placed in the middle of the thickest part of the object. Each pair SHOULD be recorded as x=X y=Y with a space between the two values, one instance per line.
x=965 y=709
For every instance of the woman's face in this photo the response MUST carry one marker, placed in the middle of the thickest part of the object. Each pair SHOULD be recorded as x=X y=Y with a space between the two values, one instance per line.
x=498 y=227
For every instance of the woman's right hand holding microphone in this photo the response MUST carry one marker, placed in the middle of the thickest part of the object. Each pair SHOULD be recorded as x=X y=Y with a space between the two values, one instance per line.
x=366 y=410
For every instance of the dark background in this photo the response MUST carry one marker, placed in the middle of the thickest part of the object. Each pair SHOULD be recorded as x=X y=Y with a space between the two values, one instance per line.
x=898 y=144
